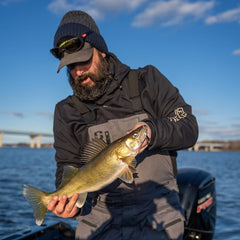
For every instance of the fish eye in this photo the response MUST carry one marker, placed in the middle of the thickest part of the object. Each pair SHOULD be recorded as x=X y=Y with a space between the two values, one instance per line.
x=134 y=135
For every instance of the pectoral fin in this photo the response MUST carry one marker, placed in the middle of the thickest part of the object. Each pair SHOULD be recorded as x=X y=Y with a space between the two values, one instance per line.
x=126 y=175
x=130 y=161
x=81 y=200
x=133 y=169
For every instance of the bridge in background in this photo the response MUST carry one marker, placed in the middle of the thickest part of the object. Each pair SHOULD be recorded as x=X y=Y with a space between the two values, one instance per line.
x=206 y=147
x=38 y=135
x=32 y=135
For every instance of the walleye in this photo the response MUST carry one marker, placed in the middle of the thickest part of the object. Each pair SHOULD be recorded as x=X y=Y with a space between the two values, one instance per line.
x=103 y=164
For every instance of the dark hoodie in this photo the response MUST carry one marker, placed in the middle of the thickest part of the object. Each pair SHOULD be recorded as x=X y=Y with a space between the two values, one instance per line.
x=170 y=118
x=152 y=200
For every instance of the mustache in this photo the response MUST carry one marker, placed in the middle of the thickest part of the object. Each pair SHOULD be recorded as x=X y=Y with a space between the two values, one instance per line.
x=84 y=76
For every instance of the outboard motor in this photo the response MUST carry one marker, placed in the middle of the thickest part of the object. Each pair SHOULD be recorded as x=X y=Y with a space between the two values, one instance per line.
x=198 y=199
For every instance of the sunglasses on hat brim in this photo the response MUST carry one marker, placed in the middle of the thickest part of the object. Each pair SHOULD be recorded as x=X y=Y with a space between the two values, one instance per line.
x=69 y=46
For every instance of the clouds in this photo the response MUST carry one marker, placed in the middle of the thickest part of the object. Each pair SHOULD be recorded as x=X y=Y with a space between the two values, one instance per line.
x=212 y=129
x=7 y=2
x=59 y=6
x=13 y=113
x=98 y=9
x=215 y=130
x=161 y=12
x=173 y=12
x=208 y=131
x=146 y=13
x=22 y=115
x=232 y=15
x=236 y=52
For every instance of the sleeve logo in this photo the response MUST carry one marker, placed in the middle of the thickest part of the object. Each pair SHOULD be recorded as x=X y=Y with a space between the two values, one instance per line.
x=179 y=114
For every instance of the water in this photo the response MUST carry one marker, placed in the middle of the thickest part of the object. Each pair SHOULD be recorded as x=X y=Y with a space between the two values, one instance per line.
x=225 y=167
x=36 y=167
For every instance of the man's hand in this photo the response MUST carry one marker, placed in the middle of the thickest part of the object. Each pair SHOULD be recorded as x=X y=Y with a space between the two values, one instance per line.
x=64 y=208
x=147 y=140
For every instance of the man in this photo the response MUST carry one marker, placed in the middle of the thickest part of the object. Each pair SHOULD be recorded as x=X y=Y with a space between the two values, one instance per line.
x=109 y=99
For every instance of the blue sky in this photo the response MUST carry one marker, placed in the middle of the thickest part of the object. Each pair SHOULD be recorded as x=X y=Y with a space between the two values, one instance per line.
x=195 y=44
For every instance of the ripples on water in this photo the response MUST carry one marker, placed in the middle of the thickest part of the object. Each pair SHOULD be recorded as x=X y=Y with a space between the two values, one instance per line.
x=36 y=167
x=20 y=166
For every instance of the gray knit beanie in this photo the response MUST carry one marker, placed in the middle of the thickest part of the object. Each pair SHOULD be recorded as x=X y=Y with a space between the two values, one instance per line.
x=74 y=24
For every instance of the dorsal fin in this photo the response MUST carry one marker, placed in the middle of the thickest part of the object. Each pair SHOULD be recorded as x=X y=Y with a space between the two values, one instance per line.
x=92 y=149
x=68 y=173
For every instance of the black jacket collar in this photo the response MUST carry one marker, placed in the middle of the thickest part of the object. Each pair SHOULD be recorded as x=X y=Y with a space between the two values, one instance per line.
x=119 y=71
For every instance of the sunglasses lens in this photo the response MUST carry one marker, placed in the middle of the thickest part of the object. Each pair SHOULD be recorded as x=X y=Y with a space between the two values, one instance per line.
x=55 y=52
x=73 y=45
x=69 y=46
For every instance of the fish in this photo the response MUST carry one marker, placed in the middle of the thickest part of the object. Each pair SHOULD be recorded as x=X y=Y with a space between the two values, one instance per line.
x=103 y=164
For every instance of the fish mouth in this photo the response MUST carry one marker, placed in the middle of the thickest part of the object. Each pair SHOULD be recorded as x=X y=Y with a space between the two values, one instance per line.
x=145 y=136
x=147 y=139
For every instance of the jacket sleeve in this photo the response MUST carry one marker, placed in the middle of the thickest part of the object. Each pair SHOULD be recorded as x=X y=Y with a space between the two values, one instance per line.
x=67 y=146
x=173 y=125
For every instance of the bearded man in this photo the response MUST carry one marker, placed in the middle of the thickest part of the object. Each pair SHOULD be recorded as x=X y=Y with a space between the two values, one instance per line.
x=108 y=100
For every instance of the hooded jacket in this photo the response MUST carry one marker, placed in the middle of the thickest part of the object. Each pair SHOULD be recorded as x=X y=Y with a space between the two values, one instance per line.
x=153 y=197
x=172 y=123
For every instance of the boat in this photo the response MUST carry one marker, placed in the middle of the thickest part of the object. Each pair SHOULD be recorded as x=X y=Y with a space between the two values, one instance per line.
x=54 y=231
x=198 y=200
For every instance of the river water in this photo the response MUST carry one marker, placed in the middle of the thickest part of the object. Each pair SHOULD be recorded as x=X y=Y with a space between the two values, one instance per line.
x=36 y=167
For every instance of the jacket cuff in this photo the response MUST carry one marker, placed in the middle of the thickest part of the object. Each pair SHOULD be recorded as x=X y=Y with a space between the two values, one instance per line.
x=153 y=132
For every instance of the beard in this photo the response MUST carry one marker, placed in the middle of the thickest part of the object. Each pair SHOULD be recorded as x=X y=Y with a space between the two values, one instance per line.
x=88 y=92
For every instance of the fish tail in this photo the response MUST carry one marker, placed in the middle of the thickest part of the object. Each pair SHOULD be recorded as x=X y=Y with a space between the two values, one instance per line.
x=35 y=198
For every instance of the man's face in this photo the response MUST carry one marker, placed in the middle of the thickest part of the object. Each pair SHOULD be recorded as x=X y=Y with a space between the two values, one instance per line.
x=89 y=79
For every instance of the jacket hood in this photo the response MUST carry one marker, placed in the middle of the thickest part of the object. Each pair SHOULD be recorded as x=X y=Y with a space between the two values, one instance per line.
x=117 y=68
x=119 y=71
